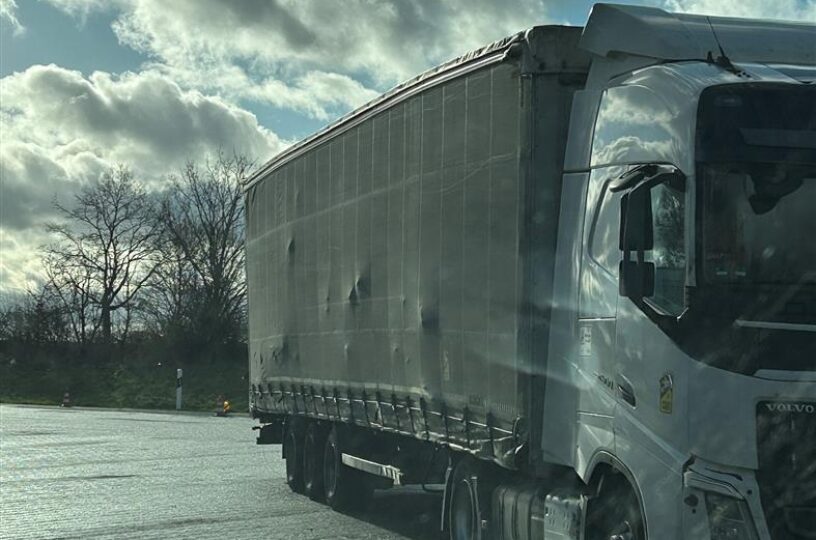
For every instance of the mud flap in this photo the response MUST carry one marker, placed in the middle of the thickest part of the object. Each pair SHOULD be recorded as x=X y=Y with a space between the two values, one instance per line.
x=269 y=433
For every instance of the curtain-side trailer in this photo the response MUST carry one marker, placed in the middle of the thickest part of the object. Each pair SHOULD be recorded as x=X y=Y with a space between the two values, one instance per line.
x=529 y=276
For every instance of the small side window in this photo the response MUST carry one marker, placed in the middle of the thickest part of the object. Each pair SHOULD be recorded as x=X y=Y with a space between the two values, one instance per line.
x=653 y=267
x=603 y=247
x=669 y=250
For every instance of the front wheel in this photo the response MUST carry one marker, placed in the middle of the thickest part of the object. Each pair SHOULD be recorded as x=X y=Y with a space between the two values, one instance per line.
x=615 y=515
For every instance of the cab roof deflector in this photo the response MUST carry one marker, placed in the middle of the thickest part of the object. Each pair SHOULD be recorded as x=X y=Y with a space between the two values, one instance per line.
x=655 y=33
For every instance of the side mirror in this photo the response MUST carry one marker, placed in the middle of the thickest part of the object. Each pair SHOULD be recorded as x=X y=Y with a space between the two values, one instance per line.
x=636 y=232
x=636 y=278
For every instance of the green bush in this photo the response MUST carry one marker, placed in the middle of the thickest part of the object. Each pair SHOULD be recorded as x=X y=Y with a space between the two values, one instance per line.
x=134 y=380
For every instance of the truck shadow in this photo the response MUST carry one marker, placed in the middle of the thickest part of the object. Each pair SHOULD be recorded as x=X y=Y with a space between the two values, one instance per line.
x=407 y=511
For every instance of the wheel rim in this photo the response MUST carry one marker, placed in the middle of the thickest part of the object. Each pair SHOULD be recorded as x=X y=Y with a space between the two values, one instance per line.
x=624 y=532
x=615 y=516
x=463 y=518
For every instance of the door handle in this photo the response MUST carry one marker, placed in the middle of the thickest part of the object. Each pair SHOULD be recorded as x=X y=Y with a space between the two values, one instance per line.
x=625 y=390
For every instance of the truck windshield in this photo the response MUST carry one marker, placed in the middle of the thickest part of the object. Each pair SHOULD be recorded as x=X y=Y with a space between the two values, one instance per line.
x=756 y=154
x=755 y=217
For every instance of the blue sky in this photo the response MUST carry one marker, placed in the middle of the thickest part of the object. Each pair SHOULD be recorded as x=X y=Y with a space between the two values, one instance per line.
x=53 y=36
x=88 y=84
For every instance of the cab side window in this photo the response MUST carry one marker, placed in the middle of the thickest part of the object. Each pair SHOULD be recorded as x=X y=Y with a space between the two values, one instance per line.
x=669 y=250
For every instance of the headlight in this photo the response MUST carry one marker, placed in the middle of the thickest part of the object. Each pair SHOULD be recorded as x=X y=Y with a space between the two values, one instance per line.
x=729 y=518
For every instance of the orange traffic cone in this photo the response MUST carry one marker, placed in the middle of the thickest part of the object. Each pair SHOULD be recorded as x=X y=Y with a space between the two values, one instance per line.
x=66 y=400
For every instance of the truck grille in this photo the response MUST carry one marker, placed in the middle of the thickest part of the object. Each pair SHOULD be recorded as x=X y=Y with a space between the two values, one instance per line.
x=786 y=438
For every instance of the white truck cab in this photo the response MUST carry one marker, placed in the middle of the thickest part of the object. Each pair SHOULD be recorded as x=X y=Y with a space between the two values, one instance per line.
x=692 y=196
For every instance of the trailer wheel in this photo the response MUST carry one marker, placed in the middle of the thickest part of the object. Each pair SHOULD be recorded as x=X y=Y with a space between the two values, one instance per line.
x=615 y=514
x=314 y=442
x=345 y=489
x=292 y=443
x=471 y=488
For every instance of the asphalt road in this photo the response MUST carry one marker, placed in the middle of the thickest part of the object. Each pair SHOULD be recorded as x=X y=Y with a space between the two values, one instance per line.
x=85 y=473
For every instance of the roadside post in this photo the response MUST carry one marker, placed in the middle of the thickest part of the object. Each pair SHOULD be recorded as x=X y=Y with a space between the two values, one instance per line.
x=178 y=389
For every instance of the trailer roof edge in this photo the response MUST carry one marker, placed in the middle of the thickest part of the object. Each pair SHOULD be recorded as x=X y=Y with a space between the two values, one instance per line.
x=489 y=54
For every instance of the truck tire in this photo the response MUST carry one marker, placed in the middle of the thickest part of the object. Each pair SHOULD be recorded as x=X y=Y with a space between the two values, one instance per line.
x=470 y=492
x=345 y=489
x=615 y=514
x=314 y=442
x=293 y=453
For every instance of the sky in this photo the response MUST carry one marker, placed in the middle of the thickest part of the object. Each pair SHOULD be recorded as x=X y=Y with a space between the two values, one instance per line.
x=89 y=84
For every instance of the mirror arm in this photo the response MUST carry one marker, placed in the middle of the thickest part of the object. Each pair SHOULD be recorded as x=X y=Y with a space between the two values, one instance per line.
x=641 y=175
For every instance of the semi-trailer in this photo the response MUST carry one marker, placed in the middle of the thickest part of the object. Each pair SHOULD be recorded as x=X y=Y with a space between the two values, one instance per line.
x=564 y=279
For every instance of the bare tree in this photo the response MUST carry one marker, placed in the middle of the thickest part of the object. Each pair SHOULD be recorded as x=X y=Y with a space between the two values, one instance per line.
x=73 y=285
x=203 y=212
x=105 y=251
x=171 y=293
x=34 y=317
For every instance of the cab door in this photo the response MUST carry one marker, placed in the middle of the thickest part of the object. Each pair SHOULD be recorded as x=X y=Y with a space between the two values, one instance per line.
x=651 y=428
x=648 y=362
x=598 y=302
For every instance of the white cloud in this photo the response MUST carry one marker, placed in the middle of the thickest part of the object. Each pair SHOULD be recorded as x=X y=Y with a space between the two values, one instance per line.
x=314 y=93
x=142 y=119
x=8 y=15
x=388 y=39
x=19 y=254
x=61 y=129
x=320 y=95
x=792 y=10
x=306 y=55
x=32 y=179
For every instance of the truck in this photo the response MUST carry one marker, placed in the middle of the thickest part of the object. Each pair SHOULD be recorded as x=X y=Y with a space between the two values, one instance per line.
x=563 y=280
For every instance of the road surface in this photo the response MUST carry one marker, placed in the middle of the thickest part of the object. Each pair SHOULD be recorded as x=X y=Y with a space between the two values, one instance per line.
x=84 y=473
